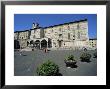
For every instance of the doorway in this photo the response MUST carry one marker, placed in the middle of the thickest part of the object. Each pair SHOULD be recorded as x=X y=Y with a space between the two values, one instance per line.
x=60 y=43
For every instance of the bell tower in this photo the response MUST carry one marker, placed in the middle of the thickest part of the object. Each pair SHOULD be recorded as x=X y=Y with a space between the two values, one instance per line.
x=35 y=25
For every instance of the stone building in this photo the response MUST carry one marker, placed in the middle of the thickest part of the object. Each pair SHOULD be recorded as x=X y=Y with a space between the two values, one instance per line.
x=21 y=37
x=68 y=35
x=93 y=43
x=72 y=35
x=36 y=34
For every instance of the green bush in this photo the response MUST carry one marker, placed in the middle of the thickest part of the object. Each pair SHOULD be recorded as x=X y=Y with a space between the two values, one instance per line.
x=70 y=58
x=70 y=61
x=85 y=57
x=48 y=69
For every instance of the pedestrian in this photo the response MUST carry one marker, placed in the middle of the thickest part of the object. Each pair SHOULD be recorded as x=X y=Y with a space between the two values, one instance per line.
x=20 y=52
x=46 y=50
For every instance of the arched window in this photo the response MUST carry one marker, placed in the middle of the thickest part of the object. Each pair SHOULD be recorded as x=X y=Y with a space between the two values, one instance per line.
x=44 y=44
x=37 y=44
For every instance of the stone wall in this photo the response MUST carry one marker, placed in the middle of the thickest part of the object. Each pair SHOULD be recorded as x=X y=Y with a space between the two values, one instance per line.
x=22 y=37
x=67 y=35
x=93 y=43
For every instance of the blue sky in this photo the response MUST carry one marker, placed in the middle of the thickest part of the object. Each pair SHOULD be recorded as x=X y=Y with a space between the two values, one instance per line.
x=24 y=21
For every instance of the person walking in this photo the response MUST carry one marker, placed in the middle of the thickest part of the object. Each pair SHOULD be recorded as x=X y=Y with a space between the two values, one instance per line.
x=20 y=52
x=45 y=50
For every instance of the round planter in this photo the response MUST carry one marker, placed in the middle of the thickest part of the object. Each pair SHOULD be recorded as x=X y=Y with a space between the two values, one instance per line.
x=70 y=63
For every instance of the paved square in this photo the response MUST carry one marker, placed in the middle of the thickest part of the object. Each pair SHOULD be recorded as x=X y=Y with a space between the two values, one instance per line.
x=26 y=64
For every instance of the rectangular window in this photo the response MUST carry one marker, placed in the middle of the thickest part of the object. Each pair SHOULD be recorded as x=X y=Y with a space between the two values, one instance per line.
x=68 y=35
x=78 y=35
x=78 y=26
x=60 y=35
x=52 y=30
x=68 y=27
x=60 y=29
x=34 y=36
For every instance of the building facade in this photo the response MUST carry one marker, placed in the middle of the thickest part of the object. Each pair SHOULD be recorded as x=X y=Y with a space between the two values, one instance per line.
x=72 y=35
x=21 y=37
x=93 y=43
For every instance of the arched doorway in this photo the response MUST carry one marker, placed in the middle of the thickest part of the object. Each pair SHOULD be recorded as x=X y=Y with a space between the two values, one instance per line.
x=16 y=44
x=37 y=44
x=44 y=44
x=28 y=43
x=49 y=43
x=32 y=43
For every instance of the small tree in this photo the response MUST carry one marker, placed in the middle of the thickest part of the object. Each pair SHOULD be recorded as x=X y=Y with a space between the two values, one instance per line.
x=85 y=57
x=48 y=69
x=70 y=58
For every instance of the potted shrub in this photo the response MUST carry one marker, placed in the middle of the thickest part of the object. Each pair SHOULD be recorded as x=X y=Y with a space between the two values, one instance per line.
x=85 y=57
x=48 y=69
x=70 y=61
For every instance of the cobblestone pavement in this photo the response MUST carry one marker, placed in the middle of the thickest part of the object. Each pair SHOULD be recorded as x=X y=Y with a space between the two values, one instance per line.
x=26 y=64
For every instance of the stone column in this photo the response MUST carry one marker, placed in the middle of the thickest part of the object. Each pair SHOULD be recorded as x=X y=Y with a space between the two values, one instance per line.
x=40 y=44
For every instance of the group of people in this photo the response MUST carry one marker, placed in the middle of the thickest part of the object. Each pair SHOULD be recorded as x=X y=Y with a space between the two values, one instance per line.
x=44 y=49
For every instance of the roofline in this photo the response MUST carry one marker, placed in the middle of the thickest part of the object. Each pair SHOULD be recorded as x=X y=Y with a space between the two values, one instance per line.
x=36 y=28
x=93 y=39
x=21 y=31
x=66 y=23
x=54 y=25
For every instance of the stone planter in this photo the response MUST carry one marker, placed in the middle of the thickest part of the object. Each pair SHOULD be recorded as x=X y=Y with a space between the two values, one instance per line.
x=85 y=60
x=70 y=63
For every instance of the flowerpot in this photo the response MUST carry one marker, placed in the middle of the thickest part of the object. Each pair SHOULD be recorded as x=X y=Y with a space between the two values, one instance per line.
x=70 y=63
